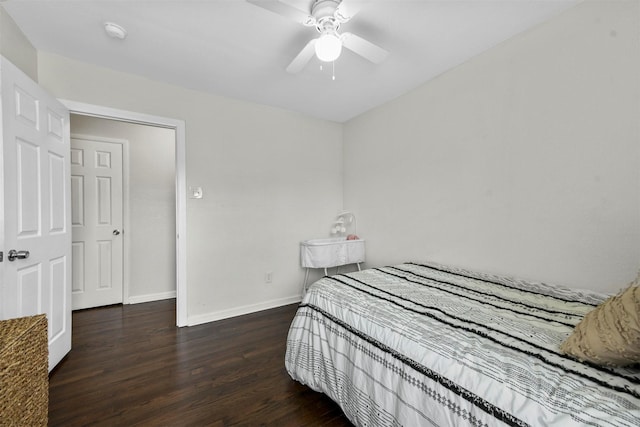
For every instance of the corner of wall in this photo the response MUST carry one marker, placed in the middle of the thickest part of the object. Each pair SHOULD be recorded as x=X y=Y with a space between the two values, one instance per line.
x=342 y=163
x=15 y=46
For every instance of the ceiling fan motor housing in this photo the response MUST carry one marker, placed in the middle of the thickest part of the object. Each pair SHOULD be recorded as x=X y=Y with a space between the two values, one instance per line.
x=324 y=13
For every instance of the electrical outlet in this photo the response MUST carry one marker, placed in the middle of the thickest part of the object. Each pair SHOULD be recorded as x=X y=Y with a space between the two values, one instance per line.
x=268 y=277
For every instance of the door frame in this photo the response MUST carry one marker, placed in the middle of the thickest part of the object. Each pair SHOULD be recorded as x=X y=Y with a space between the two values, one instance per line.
x=178 y=126
x=126 y=248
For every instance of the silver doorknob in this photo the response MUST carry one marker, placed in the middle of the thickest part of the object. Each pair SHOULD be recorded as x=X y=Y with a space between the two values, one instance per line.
x=14 y=255
x=116 y=232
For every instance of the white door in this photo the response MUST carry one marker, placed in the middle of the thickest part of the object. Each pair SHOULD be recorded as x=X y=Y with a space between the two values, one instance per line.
x=96 y=217
x=35 y=215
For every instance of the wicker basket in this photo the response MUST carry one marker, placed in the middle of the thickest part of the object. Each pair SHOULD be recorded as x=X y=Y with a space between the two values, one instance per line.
x=24 y=372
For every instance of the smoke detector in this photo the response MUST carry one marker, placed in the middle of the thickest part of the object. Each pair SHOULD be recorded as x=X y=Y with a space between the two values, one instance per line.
x=115 y=31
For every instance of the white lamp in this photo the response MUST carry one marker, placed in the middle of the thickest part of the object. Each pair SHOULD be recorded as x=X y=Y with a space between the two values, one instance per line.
x=328 y=46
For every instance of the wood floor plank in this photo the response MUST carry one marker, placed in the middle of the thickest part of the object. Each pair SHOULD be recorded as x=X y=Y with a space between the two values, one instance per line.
x=129 y=365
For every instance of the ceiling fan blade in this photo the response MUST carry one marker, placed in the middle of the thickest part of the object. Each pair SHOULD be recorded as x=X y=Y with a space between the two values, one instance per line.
x=303 y=58
x=285 y=10
x=364 y=48
x=347 y=9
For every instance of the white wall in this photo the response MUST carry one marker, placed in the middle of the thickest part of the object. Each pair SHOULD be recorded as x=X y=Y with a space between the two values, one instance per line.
x=151 y=258
x=522 y=161
x=270 y=180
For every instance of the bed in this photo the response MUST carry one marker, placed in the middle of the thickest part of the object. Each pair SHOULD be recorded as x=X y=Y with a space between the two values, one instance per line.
x=431 y=345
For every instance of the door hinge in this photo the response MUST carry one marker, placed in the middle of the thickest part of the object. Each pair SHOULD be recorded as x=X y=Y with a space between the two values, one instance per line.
x=1 y=256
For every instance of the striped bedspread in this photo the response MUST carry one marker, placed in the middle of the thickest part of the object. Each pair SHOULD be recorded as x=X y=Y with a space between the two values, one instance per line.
x=429 y=345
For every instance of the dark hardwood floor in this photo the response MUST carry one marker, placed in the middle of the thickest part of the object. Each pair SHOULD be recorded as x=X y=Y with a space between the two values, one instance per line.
x=130 y=365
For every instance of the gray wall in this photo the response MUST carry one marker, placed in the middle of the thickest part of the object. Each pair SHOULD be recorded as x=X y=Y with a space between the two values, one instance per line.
x=522 y=161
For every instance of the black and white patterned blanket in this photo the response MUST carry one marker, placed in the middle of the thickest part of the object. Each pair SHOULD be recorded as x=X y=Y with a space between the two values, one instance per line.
x=419 y=345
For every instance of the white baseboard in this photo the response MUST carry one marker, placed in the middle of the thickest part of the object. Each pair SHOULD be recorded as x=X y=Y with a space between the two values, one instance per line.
x=239 y=311
x=151 y=297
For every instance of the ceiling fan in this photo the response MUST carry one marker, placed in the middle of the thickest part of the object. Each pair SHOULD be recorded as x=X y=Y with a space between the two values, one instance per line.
x=326 y=16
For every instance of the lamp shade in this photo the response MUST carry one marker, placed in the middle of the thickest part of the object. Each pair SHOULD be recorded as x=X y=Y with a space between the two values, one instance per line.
x=328 y=46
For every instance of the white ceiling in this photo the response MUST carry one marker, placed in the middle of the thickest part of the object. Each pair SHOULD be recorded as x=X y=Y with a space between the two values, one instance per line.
x=236 y=49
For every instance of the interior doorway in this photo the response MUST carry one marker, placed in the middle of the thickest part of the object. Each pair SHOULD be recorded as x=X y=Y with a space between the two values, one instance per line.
x=178 y=128
x=123 y=241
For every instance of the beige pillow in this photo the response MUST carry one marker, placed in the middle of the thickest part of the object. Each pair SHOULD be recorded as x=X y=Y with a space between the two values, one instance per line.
x=610 y=333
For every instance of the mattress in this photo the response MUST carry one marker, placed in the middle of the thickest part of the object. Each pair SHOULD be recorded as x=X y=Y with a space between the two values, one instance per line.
x=426 y=344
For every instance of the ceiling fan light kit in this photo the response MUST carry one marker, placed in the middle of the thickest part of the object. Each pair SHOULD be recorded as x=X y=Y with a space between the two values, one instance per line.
x=328 y=46
x=326 y=16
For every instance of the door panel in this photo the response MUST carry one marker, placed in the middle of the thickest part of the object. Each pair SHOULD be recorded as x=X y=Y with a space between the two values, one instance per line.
x=104 y=200
x=96 y=185
x=29 y=290
x=35 y=213
x=77 y=255
x=58 y=272
x=28 y=191
x=77 y=200
x=57 y=178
